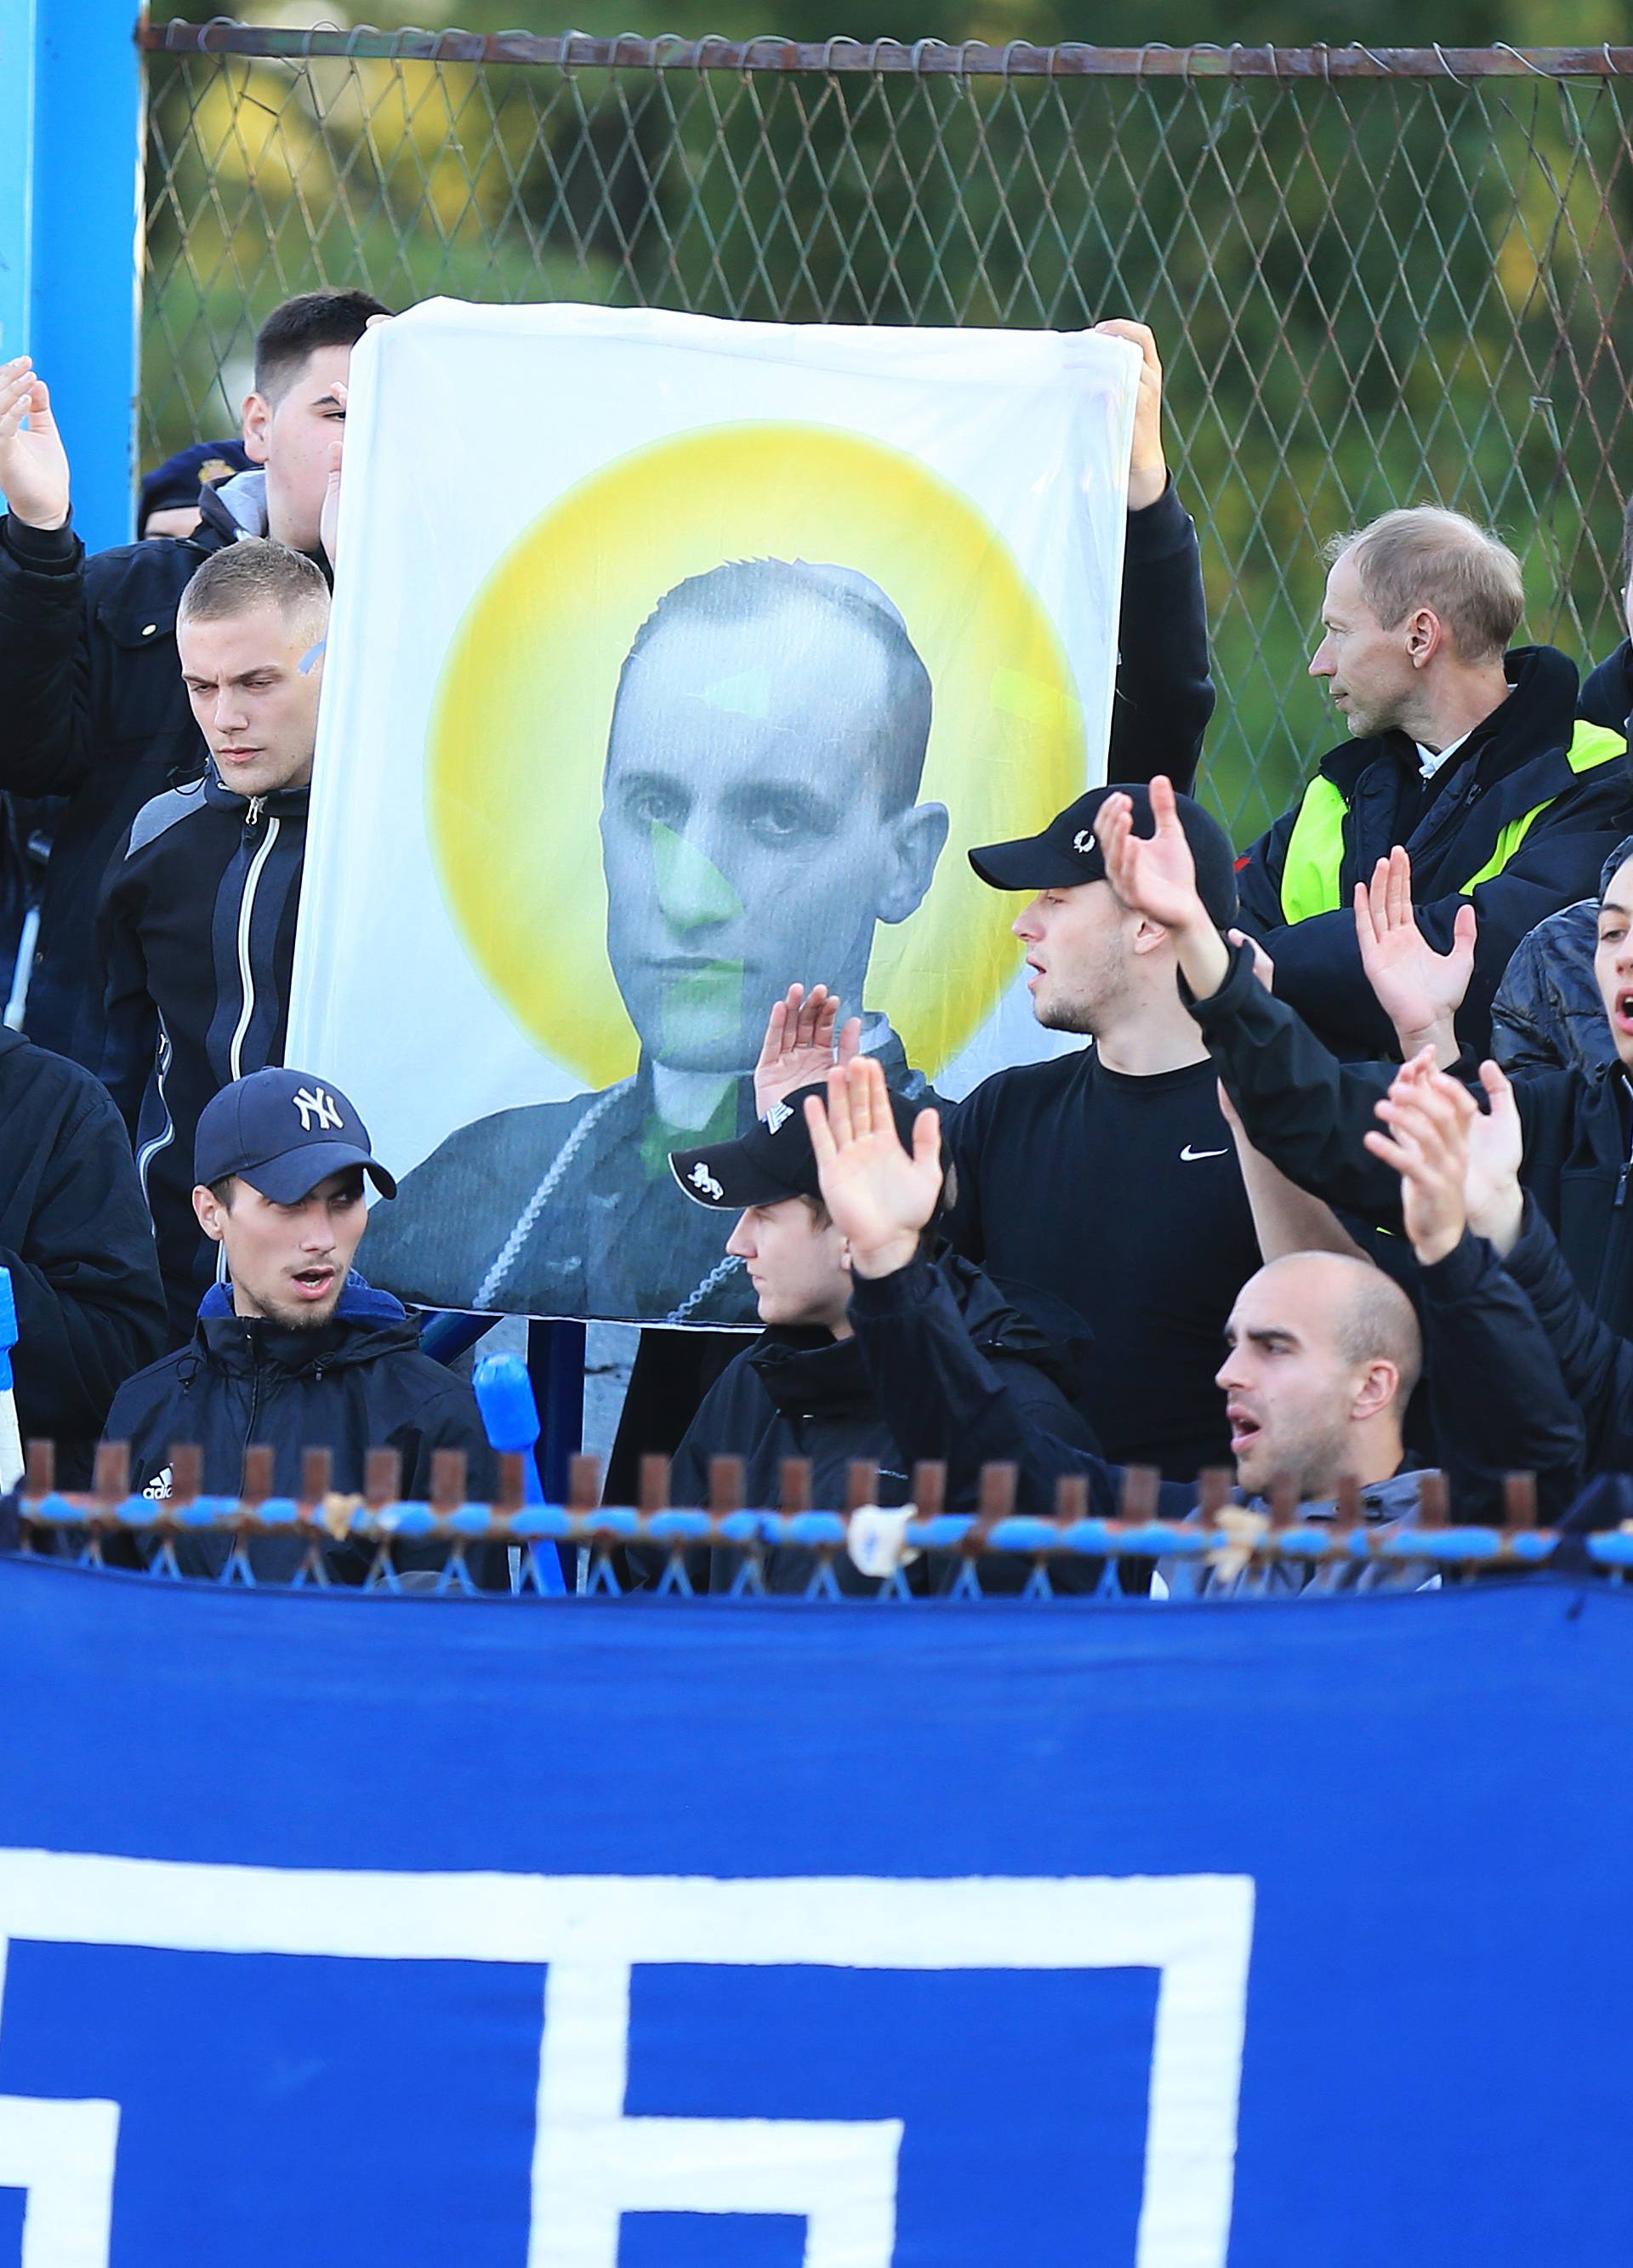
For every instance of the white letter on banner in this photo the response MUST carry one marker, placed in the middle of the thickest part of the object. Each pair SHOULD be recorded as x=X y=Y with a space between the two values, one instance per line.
x=62 y=2154
x=592 y=2165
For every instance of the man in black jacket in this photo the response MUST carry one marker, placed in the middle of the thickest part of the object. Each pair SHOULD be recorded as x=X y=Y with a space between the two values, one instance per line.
x=1323 y=1351
x=197 y=923
x=95 y=712
x=1469 y=755
x=75 y=1237
x=801 y=1389
x=295 y=1352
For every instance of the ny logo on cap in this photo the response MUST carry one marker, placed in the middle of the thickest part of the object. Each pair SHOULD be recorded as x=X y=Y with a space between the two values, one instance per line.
x=777 y=1115
x=316 y=1109
x=1083 y=842
x=703 y=1179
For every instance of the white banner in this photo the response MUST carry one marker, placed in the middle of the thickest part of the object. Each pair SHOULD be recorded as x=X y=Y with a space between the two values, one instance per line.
x=674 y=661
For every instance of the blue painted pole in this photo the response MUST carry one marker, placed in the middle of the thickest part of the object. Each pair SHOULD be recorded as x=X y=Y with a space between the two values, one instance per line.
x=71 y=145
x=555 y=1365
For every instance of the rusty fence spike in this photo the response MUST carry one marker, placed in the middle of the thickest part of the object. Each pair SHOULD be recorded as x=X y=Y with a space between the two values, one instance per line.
x=725 y=1485
x=382 y=1478
x=1071 y=1498
x=1433 y=1500
x=584 y=1482
x=186 y=1472
x=41 y=1476
x=258 y=1475
x=1284 y=1500
x=1519 y=1500
x=1140 y=1499
x=447 y=1480
x=1349 y=1514
x=929 y=1487
x=861 y=1483
x=653 y=1489
x=512 y=1481
x=997 y=1494
x=1214 y=1484
x=317 y=1474
x=794 y=1493
x=111 y=1480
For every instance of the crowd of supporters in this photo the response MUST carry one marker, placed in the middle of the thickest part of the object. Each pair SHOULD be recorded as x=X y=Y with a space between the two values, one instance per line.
x=1335 y=1192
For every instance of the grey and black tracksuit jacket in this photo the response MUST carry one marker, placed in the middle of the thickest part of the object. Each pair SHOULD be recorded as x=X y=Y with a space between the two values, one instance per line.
x=197 y=934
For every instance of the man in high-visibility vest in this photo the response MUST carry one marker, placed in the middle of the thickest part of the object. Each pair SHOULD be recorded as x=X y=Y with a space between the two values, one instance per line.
x=1469 y=753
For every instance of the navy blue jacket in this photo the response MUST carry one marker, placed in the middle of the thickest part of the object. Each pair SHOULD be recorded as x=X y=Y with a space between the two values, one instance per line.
x=356 y=1383
x=97 y=721
x=197 y=935
x=73 y=1233
x=1511 y=762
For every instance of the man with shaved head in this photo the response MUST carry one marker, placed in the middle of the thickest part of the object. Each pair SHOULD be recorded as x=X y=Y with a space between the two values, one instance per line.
x=760 y=815
x=1464 y=749
x=1323 y=1352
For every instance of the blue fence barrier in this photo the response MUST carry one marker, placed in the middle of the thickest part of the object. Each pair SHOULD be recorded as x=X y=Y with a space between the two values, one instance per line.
x=1056 y=1934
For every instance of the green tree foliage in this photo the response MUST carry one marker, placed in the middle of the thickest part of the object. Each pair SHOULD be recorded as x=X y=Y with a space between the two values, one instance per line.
x=1366 y=293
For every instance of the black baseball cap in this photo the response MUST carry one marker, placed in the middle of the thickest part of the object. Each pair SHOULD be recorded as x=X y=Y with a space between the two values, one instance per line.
x=283 y=1132
x=1068 y=851
x=772 y=1162
x=176 y=483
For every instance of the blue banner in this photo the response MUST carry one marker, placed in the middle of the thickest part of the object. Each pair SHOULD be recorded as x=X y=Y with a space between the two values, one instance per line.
x=348 y=1930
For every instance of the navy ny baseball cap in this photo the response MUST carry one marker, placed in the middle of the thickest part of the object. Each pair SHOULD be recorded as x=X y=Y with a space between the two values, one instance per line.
x=1068 y=851
x=283 y=1132
x=772 y=1162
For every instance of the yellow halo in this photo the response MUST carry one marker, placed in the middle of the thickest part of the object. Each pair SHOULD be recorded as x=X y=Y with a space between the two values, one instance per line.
x=519 y=726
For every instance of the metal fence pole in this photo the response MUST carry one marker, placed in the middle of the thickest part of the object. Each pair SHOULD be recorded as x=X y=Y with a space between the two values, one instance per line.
x=72 y=146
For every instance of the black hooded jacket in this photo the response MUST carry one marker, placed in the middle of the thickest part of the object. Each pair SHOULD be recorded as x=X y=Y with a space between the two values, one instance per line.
x=1515 y=762
x=197 y=936
x=800 y=1393
x=97 y=720
x=74 y=1235
x=356 y=1383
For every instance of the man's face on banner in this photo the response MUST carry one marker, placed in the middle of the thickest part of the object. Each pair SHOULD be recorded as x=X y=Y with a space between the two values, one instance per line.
x=749 y=833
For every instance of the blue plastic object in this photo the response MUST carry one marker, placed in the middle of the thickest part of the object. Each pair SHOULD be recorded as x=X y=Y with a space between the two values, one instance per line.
x=8 y=1329
x=510 y=1416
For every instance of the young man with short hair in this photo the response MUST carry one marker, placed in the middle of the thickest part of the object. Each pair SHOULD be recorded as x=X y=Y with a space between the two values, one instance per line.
x=1464 y=750
x=89 y=686
x=197 y=922
x=801 y=1389
x=294 y=1350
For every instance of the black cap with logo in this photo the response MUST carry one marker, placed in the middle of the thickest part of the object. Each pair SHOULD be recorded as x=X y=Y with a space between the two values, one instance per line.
x=1068 y=851
x=772 y=1162
x=283 y=1132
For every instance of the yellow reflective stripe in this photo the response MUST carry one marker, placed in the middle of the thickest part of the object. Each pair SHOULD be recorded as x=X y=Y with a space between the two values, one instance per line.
x=1315 y=856
x=1591 y=746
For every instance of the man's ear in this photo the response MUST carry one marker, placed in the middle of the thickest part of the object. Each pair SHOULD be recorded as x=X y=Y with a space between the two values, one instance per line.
x=1425 y=635
x=210 y=1213
x=915 y=839
x=1380 y=1383
x=1149 y=935
x=255 y=424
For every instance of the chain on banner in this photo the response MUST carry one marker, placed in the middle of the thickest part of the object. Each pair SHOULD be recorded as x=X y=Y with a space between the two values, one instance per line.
x=1377 y=279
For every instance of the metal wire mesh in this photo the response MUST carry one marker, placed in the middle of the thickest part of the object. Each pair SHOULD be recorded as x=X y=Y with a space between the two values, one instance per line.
x=1375 y=279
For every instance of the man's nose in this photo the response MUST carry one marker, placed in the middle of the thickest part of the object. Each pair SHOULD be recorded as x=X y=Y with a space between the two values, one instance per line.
x=740 y=1243
x=1320 y=661
x=228 y=710
x=692 y=891
x=1025 y=924
x=317 y=1230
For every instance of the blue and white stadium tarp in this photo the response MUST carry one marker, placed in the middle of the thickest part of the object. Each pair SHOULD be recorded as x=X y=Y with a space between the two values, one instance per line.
x=346 y=1931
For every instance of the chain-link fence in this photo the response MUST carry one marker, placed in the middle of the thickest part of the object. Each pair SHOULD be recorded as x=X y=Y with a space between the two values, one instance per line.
x=1375 y=279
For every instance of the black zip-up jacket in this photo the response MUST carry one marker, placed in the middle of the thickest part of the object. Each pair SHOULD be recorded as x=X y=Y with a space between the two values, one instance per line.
x=97 y=719
x=1514 y=760
x=1499 y=1403
x=1597 y=1361
x=1308 y=1112
x=1608 y=693
x=800 y=1393
x=1164 y=694
x=356 y=1383
x=73 y=1233
x=197 y=935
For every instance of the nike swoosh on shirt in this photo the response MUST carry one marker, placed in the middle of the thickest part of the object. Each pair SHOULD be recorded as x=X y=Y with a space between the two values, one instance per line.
x=1188 y=1157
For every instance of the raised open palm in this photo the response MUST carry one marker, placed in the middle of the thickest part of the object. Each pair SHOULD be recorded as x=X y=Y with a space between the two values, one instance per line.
x=879 y=1193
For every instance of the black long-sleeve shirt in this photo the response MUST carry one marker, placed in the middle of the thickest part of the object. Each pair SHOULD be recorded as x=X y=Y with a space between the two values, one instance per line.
x=1121 y=1197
